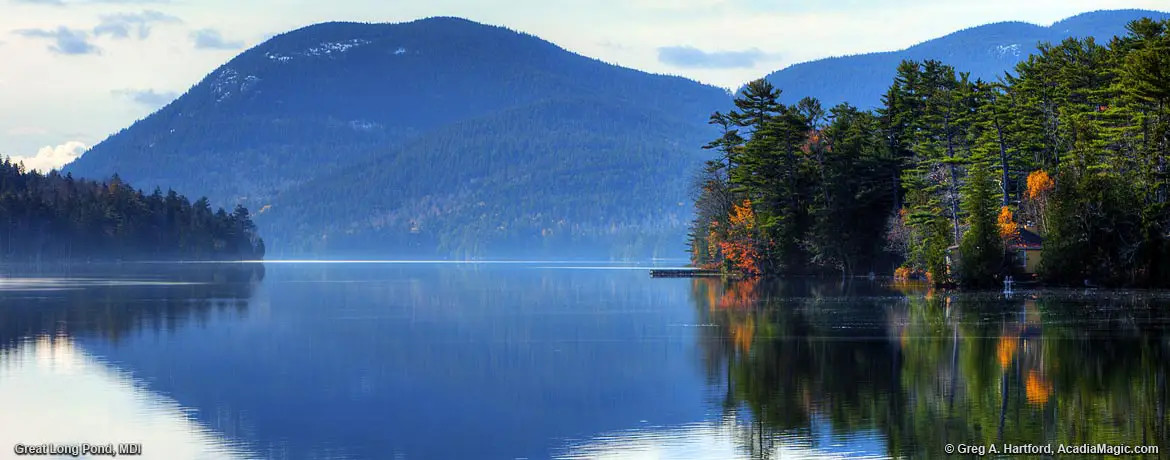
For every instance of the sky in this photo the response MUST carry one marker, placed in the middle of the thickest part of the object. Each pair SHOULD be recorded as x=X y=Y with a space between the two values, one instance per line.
x=72 y=72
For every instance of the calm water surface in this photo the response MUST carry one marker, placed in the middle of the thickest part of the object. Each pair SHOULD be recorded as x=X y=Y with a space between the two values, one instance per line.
x=561 y=361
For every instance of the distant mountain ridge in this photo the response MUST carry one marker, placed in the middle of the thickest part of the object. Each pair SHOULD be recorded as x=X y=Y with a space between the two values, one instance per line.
x=445 y=137
x=986 y=51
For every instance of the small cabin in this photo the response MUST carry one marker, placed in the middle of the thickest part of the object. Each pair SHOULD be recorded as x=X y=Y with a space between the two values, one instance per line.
x=1026 y=249
x=1027 y=246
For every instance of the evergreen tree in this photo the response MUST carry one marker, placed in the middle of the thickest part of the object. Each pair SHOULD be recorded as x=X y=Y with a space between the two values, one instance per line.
x=981 y=252
x=53 y=218
x=1074 y=145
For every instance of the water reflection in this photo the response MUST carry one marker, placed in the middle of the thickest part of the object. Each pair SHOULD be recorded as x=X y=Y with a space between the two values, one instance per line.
x=723 y=439
x=384 y=361
x=508 y=361
x=109 y=302
x=919 y=369
x=52 y=389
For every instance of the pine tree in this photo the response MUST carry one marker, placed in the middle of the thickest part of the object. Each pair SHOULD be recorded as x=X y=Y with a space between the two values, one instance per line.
x=981 y=252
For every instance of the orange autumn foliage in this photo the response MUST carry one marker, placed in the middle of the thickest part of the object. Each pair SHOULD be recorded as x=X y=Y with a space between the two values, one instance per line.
x=902 y=273
x=739 y=295
x=742 y=216
x=814 y=138
x=1008 y=228
x=744 y=256
x=1037 y=389
x=1039 y=184
x=741 y=248
x=1006 y=350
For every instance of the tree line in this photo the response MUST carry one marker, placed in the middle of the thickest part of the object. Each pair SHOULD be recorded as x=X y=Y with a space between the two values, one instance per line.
x=53 y=218
x=1072 y=146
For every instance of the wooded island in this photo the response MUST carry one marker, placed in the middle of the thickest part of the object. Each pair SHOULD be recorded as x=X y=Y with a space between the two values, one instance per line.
x=954 y=180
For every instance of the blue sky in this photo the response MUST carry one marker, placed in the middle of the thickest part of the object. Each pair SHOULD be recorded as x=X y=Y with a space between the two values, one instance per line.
x=75 y=71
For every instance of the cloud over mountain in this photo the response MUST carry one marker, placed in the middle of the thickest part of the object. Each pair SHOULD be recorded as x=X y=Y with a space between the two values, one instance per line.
x=212 y=39
x=147 y=97
x=49 y=157
x=691 y=57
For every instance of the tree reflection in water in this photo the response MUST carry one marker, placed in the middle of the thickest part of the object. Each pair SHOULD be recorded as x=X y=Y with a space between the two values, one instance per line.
x=919 y=369
x=98 y=301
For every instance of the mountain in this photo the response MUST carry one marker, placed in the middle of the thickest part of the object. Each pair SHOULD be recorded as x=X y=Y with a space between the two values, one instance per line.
x=444 y=109
x=985 y=51
x=573 y=177
x=445 y=137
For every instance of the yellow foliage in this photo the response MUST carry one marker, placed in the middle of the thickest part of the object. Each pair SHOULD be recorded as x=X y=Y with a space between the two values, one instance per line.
x=713 y=241
x=743 y=216
x=1008 y=228
x=902 y=273
x=1039 y=183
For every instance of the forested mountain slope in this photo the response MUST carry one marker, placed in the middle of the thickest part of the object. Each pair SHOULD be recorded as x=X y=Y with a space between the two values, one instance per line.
x=330 y=95
x=571 y=177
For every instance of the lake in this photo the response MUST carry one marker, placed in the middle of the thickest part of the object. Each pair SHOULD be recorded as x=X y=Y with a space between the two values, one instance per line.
x=564 y=361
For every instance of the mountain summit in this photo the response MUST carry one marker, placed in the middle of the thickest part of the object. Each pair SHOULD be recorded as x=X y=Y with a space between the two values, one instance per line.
x=388 y=111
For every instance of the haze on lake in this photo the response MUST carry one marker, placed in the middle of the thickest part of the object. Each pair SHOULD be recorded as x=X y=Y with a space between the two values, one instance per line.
x=545 y=360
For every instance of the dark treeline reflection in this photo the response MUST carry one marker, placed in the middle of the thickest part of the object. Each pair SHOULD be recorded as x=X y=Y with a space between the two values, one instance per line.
x=110 y=301
x=927 y=368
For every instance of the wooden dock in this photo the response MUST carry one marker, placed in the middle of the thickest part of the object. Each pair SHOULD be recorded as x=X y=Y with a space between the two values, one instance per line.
x=682 y=272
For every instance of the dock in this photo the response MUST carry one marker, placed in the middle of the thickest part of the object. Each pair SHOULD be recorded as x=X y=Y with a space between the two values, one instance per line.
x=682 y=272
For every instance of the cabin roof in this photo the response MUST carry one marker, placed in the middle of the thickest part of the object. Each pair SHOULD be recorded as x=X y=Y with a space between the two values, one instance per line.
x=1027 y=239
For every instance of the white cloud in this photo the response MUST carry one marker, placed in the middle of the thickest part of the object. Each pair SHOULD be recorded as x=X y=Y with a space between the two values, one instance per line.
x=49 y=158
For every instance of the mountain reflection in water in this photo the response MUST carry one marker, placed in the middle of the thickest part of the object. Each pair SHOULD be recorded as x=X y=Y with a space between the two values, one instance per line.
x=420 y=361
x=50 y=385
x=52 y=390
